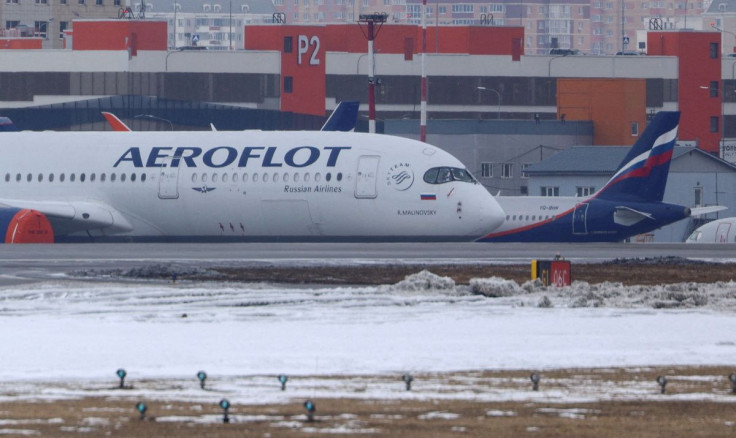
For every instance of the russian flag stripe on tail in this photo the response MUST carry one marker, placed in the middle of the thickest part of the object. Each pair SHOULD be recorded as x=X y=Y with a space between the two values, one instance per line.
x=642 y=175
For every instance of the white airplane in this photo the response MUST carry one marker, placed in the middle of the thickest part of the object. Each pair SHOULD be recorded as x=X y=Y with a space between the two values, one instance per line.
x=717 y=231
x=236 y=186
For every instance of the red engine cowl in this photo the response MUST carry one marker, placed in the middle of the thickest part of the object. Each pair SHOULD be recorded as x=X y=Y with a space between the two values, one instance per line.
x=25 y=226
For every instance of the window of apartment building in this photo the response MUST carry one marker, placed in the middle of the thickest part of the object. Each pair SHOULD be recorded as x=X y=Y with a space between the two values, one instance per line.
x=12 y=24
x=486 y=170
x=584 y=191
x=550 y=191
x=462 y=7
x=524 y=167
x=42 y=2
x=609 y=5
x=288 y=84
x=713 y=89
x=698 y=196
x=714 y=51
x=11 y=1
x=63 y=25
x=645 y=5
x=81 y=2
x=634 y=129
x=40 y=28
x=497 y=8
x=507 y=170
x=99 y=2
x=442 y=9
x=714 y=124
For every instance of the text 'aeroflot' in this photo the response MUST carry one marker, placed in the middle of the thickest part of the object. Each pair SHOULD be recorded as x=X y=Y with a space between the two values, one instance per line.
x=236 y=186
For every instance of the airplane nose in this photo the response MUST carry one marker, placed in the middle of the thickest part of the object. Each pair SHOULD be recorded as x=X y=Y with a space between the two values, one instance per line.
x=491 y=215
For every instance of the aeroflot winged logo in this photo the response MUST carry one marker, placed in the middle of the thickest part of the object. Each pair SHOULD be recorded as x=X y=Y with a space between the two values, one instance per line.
x=400 y=176
x=223 y=156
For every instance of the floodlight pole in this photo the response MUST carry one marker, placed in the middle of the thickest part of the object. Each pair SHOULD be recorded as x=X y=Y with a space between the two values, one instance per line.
x=370 y=33
x=423 y=103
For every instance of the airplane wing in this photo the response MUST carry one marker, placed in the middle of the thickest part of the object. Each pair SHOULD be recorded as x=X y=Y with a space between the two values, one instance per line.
x=72 y=217
x=115 y=122
x=698 y=211
x=627 y=216
x=7 y=125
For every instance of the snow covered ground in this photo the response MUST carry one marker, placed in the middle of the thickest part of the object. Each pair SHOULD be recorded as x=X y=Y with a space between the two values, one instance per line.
x=65 y=338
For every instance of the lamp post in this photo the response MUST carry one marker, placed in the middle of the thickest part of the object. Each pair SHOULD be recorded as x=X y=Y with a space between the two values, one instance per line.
x=371 y=32
x=497 y=94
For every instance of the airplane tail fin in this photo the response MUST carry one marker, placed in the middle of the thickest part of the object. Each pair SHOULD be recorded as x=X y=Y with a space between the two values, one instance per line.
x=115 y=122
x=642 y=175
x=7 y=125
x=343 y=118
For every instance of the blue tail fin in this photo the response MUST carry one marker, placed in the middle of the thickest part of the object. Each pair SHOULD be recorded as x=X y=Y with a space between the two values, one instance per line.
x=642 y=175
x=343 y=118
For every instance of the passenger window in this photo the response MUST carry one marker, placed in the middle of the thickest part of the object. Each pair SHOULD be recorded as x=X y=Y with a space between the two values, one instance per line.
x=132 y=177
x=102 y=177
x=40 y=177
x=328 y=177
x=194 y=177
x=81 y=178
x=61 y=177
x=51 y=177
x=92 y=177
x=255 y=177
x=204 y=177
x=514 y=217
x=306 y=177
x=7 y=177
x=339 y=176
x=286 y=177
x=122 y=177
x=143 y=177
x=29 y=177
x=72 y=177
x=214 y=177
x=235 y=177
x=296 y=177
x=224 y=177
x=112 y=177
x=265 y=177
x=317 y=177
x=245 y=177
x=275 y=177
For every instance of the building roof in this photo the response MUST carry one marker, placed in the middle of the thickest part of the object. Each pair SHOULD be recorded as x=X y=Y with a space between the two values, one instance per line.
x=599 y=160
x=722 y=6
x=582 y=160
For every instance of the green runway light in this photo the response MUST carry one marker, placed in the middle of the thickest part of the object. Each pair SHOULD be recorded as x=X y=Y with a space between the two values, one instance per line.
x=310 y=407
x=141 y=408
x=407 y=378
x=535 y=378
x=121 y=375
x=225 y=405
x=283 y=379
x=202 y=376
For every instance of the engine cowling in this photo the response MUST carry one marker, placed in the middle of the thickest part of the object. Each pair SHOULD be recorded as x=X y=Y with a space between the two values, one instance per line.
x=25 y=226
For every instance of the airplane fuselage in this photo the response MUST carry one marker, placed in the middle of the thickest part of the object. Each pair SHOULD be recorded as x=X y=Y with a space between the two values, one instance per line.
x=253 y=185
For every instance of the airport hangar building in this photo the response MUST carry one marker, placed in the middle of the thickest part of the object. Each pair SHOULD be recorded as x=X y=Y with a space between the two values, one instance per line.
x=497 y=109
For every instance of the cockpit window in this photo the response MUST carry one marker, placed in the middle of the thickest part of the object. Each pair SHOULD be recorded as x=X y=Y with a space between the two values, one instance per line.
x=441 y=175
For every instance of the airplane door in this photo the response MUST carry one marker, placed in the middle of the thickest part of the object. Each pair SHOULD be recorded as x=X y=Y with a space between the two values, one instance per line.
x=722 y=233
x=168 y=182
x=365 y=183
x=579 y=222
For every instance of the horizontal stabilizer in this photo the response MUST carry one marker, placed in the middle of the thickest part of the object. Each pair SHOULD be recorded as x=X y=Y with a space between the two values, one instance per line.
x=699 y=211
x=628 y=216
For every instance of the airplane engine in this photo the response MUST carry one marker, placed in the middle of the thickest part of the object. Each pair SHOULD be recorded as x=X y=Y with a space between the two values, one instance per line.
x=25 y=226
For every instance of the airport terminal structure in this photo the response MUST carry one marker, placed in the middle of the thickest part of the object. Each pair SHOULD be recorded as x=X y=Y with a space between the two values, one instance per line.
x=491 y=104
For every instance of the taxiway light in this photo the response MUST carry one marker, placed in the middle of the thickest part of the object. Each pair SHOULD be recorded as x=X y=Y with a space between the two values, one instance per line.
x=225 y=405
x=310 y=407
x=121 y=375
x=202 y=376
x=407 y=378
x=732 y=378
x=283 y=379
x=535 y=378
x=141 y=408
x=662 y=380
